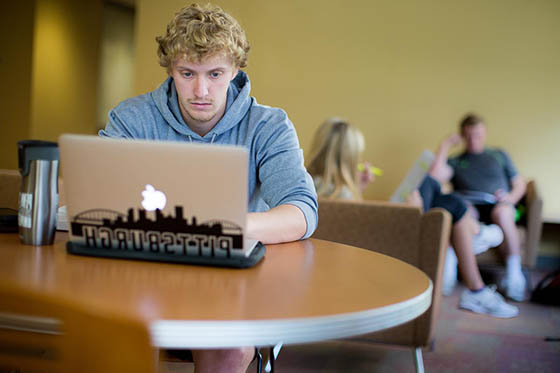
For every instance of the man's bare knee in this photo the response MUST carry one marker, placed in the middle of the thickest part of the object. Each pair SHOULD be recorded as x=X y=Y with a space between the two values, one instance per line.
x=503 y=214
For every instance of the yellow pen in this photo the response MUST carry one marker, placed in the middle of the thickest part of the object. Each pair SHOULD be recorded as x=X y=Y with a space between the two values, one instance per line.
x=374 y=170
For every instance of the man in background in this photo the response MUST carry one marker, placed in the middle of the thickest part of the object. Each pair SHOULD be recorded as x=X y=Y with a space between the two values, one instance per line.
x=488 y=179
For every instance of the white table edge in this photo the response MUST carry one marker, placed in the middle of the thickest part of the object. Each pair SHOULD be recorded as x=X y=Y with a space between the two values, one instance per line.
x=177 y=334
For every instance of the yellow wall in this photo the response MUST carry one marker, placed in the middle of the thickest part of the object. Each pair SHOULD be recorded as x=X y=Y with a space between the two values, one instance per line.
x=49 y=71
x=403 y=71
x=65 y=67
x=116 y=70
x=16 y=36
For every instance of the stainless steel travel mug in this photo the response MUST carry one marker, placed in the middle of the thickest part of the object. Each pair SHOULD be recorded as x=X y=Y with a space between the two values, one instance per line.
x=38 y=197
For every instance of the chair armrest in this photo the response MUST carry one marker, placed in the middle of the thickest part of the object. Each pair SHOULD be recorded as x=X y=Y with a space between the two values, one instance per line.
x=434 y=240
x=10 y=185
x=534 y=204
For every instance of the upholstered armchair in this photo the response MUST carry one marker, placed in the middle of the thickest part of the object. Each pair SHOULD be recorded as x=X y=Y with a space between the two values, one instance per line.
x=529 y=227
x=402 y=232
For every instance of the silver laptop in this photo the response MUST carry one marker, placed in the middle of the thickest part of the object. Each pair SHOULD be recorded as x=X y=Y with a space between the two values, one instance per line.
x=155 y=200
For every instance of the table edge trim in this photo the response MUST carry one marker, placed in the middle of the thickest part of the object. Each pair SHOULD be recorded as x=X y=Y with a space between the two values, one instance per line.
x=236 y=333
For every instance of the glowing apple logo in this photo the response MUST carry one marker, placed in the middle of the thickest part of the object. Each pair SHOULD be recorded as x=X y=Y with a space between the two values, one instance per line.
x=153 y=199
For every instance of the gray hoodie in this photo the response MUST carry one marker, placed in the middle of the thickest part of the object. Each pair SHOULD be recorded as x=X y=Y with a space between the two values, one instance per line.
x=276 y=172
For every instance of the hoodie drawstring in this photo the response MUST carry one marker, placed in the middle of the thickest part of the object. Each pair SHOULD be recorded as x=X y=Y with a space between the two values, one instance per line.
x=211 y=141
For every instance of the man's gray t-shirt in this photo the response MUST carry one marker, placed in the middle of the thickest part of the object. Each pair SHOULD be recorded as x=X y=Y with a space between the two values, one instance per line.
x=485 y=172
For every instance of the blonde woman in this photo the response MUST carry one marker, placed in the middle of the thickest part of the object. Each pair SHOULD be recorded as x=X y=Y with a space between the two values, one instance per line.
x=334 y=159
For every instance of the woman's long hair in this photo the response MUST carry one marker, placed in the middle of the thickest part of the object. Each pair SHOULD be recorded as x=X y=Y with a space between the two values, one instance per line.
x=334 y=158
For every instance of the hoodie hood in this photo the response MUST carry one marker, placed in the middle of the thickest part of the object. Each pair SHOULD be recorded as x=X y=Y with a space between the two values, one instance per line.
x=237 y=105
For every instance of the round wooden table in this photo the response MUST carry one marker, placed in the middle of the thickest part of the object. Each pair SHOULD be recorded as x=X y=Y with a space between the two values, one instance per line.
x=304 y=291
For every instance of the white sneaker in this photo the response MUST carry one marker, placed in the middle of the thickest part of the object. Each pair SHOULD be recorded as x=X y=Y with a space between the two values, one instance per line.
x=488 y=236
x=449 y=272
x=514 y=287
x=487 y=301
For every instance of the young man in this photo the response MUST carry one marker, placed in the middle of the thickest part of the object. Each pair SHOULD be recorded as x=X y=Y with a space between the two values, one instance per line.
x=206 y=100
x=490 y=174
x=468 y=238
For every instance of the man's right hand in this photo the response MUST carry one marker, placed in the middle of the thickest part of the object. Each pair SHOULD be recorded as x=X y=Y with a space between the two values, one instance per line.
x=452 y=140
x=439 y=169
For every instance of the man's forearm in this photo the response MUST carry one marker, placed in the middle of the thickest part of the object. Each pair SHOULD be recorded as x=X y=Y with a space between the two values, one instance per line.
x=519 y=187
x=283 y=223
x=439 y=169
x=442 y=154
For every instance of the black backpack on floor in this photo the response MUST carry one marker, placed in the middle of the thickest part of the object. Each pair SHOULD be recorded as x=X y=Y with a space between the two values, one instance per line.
x=548 y=290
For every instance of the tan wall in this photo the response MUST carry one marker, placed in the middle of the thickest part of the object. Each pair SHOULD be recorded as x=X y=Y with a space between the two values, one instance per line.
x=49 y=71
x=16 y=36
x=65 y=67
x=402 y=71
x=116 y=70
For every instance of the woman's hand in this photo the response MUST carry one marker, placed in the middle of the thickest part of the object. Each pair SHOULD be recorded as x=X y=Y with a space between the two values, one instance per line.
x=365 y=175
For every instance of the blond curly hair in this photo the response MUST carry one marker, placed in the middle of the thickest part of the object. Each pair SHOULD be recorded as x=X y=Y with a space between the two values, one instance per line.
x=196 y=33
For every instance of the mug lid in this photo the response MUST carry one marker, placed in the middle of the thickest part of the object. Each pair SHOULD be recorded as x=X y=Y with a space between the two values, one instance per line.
x=29 y=150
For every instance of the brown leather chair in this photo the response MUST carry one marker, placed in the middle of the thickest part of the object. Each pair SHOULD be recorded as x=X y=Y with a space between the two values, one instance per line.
x=402 y=232
x=530 y=229
x=42 y=333
x=10 y=184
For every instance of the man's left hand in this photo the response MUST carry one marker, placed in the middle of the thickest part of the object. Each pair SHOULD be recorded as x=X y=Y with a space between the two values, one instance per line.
x=504 y=197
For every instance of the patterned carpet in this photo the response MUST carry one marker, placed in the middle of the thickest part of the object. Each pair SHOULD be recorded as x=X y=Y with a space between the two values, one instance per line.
x=465 y=342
